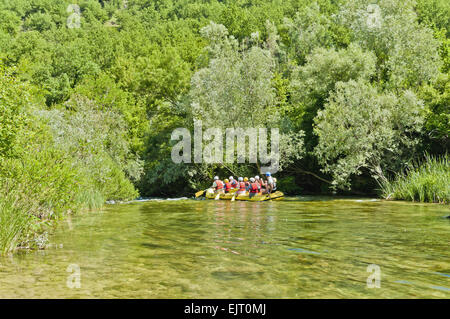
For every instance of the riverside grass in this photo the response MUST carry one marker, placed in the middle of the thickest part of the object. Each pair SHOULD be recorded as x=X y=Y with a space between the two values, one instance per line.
x=423 y=182
x=15 y=222
x=42 y=188
x=24 y=218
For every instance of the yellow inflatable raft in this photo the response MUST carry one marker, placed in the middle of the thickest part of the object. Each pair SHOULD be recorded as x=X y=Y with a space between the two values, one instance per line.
x=210 y=194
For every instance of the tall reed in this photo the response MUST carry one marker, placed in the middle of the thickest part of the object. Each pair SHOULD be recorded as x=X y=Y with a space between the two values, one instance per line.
x=428 y=181
x=15 y=222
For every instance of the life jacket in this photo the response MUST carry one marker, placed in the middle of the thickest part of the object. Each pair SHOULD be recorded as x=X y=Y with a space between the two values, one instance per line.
x=254 y=188
x=227 y=187
x=242 y=186
x=234 y=183
x=219 y=184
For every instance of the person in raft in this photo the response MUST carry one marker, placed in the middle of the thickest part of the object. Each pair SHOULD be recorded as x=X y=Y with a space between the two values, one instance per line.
x=227 y=185
x=262 y=184
x=254 y=189
x=234 y=183
x=242 y=187
x=218 y=185
x=270 y=184
x=247 y=183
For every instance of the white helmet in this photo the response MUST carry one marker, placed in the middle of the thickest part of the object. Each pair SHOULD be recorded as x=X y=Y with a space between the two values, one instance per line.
x=256 y=177
x=231 y=178
x=216 y=177
x=240 y=179
x=252 y=179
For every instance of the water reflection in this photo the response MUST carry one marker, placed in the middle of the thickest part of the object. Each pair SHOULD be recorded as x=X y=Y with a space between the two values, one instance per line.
x=239 y=227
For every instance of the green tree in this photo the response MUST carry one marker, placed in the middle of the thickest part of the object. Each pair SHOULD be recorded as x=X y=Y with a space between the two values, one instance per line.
x=312 y=83
x=406 y=51
x=15 y=100
x=436 y=137
x=235 y=90
x=309 y=29
x=362 y=128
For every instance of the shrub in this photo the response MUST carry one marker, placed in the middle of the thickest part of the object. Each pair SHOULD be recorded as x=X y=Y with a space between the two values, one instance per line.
x=288 y=185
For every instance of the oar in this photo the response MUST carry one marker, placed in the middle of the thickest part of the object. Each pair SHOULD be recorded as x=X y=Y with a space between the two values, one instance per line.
x=199 y=193
x=234 y=196
x=270 y=197
x=217 y=197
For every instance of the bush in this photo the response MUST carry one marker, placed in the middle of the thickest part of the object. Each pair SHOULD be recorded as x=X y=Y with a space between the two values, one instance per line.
x=95 y=141
x=288 y=186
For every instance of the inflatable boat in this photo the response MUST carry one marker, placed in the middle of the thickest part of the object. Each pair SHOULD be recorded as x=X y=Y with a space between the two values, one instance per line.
x=277 y=195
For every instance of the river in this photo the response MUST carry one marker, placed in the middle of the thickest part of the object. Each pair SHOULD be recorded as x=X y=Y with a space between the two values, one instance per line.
x=298 y=248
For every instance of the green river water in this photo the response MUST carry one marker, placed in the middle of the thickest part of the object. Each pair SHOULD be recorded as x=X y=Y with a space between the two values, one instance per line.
x=298 y=248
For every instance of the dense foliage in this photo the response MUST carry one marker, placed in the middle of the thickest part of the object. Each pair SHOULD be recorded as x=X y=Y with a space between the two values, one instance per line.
x=90 y=92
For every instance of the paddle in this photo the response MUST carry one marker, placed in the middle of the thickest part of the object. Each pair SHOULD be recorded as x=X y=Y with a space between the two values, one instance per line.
x=217 y=197
x=199 y=193
x=234 y=197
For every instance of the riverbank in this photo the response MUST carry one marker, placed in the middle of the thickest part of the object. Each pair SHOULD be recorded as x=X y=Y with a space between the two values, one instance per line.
x=41 y=186
x=25 y=221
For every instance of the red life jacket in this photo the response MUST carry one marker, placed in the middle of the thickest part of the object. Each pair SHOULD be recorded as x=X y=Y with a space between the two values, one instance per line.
x=227 y=186
x=241 y=186
x=219 y=184
x=254 y=188
x=234 y=183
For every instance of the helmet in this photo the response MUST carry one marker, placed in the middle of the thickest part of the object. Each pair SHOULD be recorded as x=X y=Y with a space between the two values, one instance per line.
x=245 y=179
x=226 y=180
x=240 y=179
x=252 y=179
x=267 y=173
x=231 y=178
x=256 y=177
x=216 y=177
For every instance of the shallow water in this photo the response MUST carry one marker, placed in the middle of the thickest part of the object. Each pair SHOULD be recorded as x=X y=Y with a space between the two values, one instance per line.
x=297 y=248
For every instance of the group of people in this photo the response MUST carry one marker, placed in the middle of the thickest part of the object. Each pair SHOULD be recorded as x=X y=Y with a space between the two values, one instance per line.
x=254 y=185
